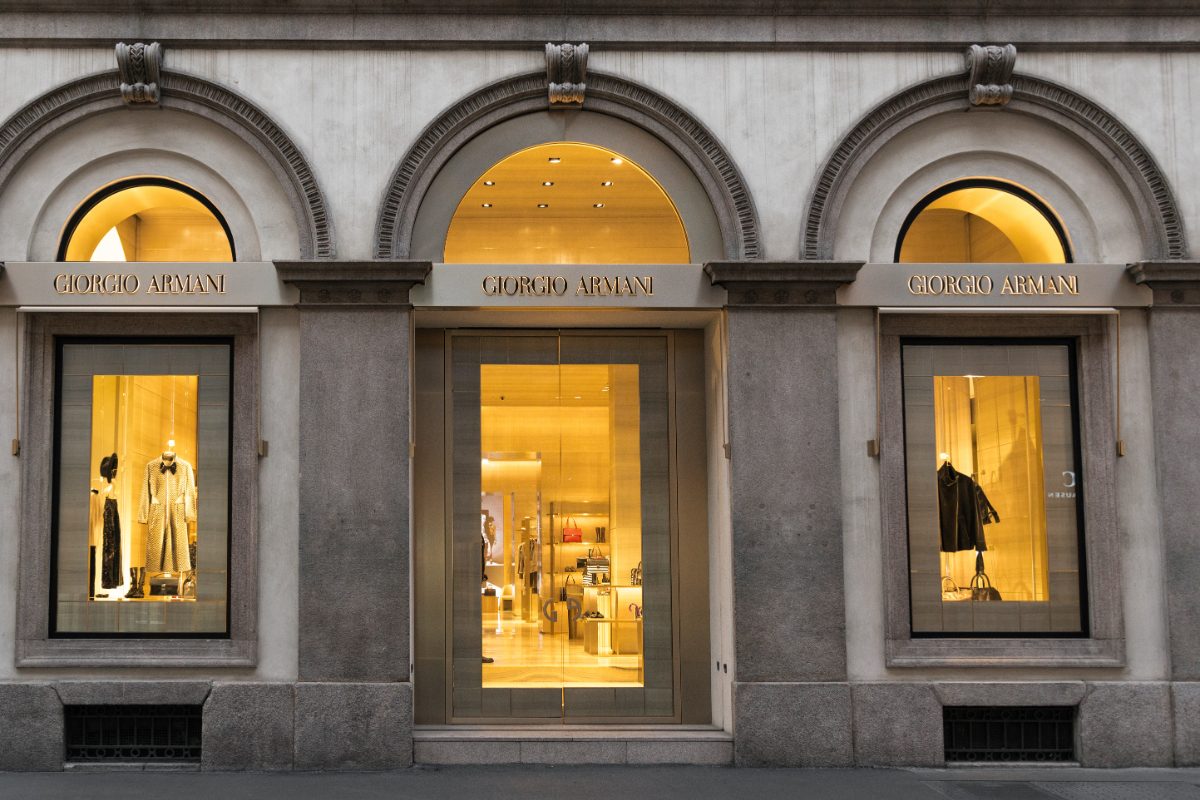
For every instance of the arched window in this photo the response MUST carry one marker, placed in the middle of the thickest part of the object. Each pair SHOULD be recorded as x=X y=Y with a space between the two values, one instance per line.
x=566 y=203
x=982 y=221
x=147 y=219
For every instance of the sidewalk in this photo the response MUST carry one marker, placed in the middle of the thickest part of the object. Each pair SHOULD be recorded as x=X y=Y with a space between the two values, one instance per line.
x=616 y=783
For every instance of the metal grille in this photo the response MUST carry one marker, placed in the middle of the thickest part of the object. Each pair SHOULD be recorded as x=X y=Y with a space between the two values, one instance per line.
x=1009 y=733
x=132 y=733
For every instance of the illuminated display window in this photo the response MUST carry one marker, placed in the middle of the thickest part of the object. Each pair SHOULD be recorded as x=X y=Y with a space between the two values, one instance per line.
x=147 y=219
x=142 y=490
x=982 y=221
x=994 y=488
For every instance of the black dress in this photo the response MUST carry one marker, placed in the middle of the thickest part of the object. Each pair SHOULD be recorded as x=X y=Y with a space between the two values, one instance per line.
x=110 y=563
x=963 y=510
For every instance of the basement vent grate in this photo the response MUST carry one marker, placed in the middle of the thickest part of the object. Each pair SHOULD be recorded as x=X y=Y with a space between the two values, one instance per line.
x=132 y=733
x=1009 y=733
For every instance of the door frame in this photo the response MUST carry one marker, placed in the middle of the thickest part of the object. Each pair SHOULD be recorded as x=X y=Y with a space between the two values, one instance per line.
x=433 y=535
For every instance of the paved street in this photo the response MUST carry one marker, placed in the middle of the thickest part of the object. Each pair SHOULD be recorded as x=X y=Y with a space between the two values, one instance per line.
x=617 y=783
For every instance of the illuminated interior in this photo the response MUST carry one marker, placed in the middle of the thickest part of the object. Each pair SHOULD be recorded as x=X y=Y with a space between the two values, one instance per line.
x=991 y=427
x=982 y=224
x=561 y=526
x=139 y=418
x=149 y=222
x=992 y=477
x=566 y=203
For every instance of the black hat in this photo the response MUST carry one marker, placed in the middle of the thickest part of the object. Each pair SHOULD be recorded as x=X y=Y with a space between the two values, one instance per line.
x=108 y=467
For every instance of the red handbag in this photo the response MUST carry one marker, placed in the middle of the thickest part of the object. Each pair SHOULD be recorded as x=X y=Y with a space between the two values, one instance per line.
x=572 y=532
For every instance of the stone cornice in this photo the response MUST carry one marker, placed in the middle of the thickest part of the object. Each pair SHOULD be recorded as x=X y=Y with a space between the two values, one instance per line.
x=782 y=284
x=353 y=283
x=1174 y=283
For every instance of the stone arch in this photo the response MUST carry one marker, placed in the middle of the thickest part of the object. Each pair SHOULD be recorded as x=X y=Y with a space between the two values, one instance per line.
x=606 y=94
x=40 y=119
x=1101 y=131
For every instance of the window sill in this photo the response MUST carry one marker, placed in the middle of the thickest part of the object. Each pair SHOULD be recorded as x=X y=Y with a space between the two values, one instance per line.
x=1015 y=652
x=136 y=653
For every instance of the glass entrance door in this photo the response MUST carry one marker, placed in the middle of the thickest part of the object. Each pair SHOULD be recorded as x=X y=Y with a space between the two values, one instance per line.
x=562 y=571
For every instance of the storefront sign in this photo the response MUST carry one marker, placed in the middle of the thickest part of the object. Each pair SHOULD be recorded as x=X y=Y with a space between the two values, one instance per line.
x=993 y=285
x=569 y=286
x=244 y=283
x=557 y=285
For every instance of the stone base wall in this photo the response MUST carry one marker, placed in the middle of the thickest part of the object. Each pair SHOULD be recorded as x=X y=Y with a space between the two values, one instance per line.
x=1119 y=723
x=247 y=726
x=368 y=726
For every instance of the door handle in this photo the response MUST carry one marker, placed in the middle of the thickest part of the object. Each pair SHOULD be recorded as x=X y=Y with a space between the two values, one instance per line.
x=548 y=611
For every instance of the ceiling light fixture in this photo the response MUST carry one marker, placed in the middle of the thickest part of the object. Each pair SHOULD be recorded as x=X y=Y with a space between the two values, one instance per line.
x=547 y=183
x=597 y=205
x=543 y=205
x=617 y=161
x=606 y=183
x=486 y=205
x=554 y=160
x=489 y=183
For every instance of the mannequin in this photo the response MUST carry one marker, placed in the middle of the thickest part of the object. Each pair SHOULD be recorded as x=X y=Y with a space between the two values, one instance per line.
x=168 y=503
x=106 y=526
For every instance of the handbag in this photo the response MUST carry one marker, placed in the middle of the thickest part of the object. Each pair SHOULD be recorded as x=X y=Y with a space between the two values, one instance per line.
x=635 y=575
x=562 y=592
x=981 y=584
x=572 y=532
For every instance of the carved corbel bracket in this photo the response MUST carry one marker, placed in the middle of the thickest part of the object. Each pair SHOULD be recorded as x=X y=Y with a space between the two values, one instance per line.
x=566 y=74
x=784 y=284
x=139 y=65
x=991 y=68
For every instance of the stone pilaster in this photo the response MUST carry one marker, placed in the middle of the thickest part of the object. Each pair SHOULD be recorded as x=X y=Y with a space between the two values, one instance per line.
x=1174 y=323
x=786 y=512
x=354 y=467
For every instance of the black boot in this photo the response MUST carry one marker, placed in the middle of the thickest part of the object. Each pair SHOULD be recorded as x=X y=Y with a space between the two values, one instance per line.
x=135 y=579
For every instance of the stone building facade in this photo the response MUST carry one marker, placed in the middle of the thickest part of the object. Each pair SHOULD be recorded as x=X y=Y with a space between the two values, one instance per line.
x=855 y=268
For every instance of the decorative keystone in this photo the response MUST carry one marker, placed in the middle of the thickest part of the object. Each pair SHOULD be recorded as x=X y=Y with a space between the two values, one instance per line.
x=1174 y=283
x=139 y=65
x=991 y=69
x=353 y=283
x=782 y=284
x=566 y=73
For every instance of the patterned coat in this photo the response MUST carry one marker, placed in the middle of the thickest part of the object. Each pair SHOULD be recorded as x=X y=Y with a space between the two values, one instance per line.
x=168 y=504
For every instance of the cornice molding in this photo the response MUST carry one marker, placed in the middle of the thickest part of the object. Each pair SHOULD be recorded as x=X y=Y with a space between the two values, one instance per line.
x=353 y=283
x=782 y=284
x=523 y=94
x=1174 y=283
x=1098 y=127
x=39 y=119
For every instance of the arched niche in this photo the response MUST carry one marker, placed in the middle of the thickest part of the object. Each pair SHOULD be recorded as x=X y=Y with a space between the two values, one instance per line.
x=509 y=115
x=1105 y=186
x=71 y=140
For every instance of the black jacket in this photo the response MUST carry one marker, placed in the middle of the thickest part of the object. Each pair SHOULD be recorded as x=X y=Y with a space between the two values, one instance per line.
x=963 y=510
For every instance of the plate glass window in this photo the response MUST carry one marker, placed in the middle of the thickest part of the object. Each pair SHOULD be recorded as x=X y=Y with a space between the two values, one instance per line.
x=142 y=490
x=994 y=489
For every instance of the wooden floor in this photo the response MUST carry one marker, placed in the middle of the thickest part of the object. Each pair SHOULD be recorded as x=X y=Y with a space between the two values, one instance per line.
x=526 y=658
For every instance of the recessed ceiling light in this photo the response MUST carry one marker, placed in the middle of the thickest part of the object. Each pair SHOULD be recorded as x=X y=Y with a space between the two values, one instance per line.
x=597 y=205
x=543 y=205
x=606 y=183
x=554 y=160
x=547 y=183
x=617 y=161
x=486 y=205
x=489 y=183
